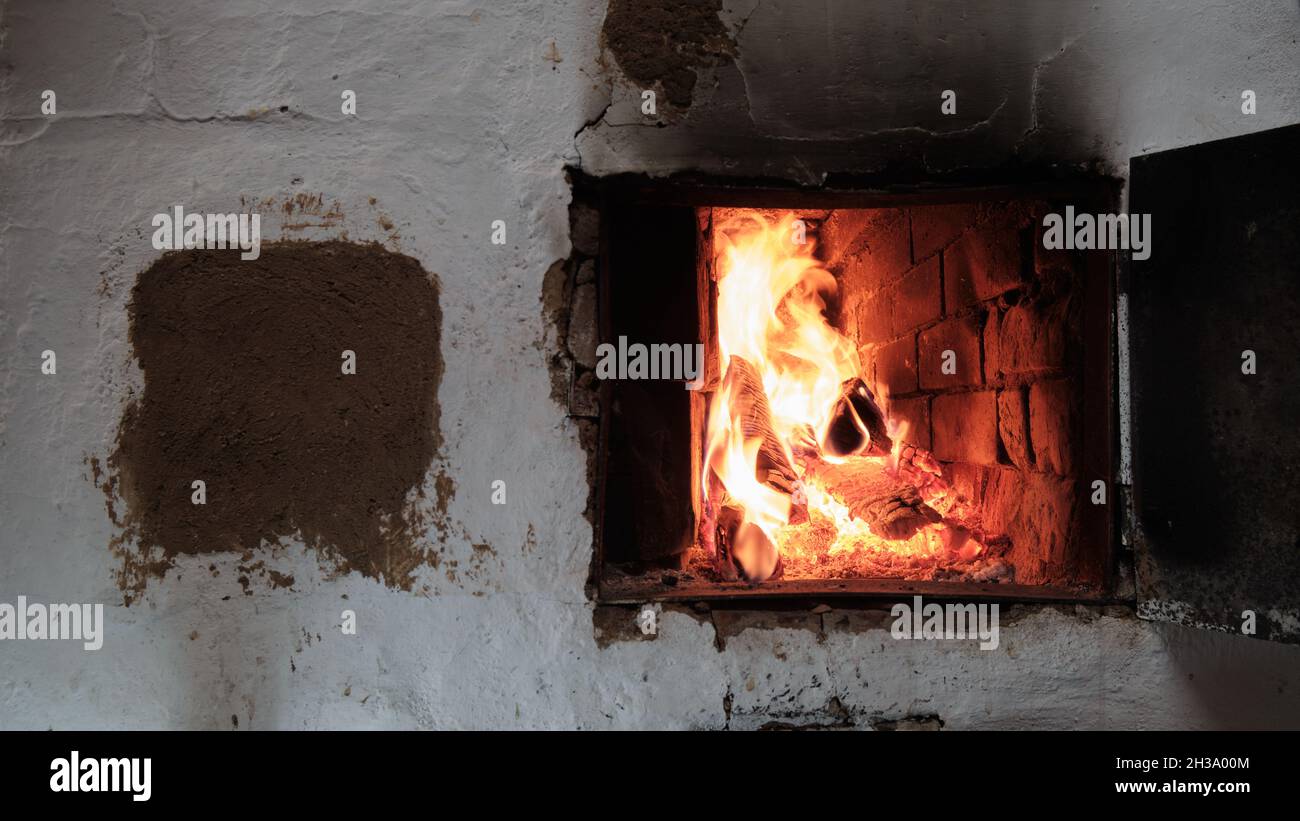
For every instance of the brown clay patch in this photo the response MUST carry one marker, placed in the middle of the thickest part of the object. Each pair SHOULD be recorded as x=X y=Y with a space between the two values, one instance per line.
x=243 y=389
x=664 y=42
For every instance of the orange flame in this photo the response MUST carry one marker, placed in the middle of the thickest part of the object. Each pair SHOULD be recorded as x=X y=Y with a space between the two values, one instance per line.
x=772 y=296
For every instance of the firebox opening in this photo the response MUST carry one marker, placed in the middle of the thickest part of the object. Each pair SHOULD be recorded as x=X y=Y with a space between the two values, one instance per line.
x=891 y=397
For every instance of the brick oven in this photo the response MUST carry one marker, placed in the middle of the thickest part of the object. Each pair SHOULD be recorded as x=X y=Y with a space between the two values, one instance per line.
x=977 y=414
x=987 y=358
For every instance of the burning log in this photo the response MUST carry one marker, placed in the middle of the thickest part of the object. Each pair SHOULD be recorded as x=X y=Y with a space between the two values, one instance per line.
x=749 y=405
x=857 y=424
x=964 y=534
x=892 y=508
x=740 y=550
x=743 y=549
x=919 y=468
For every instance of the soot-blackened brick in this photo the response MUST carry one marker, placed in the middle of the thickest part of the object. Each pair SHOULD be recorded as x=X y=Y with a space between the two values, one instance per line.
x=983 y=264
x=1053 y=419
x=961 y=335
x=964 y=427
x=1013 y=426
x=896 y=366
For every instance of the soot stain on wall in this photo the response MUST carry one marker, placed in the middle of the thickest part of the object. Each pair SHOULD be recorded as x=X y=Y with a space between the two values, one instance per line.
x=244 y=390
x=666 y=42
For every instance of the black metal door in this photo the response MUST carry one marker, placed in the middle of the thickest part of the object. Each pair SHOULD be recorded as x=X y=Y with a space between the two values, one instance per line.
x=1215 y=385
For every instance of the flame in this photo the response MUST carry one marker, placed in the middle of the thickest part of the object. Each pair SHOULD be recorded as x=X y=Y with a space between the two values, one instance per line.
x=734 y=458
x=772 y=296
x=771 y=311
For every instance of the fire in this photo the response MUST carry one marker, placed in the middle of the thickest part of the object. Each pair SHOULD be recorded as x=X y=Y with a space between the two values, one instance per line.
x=772 y=296
x=771 y=313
